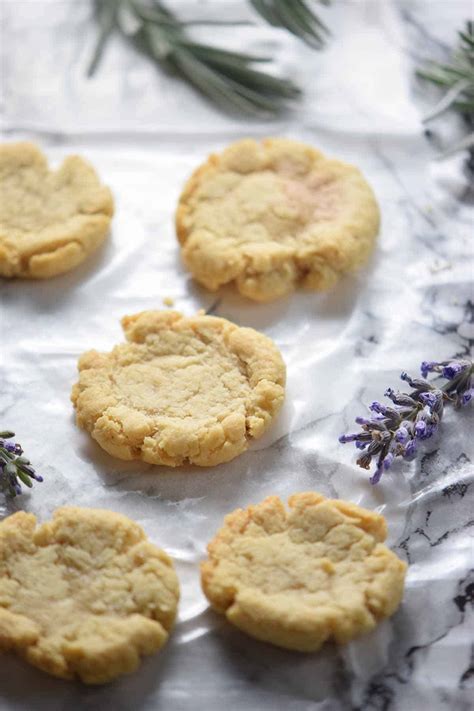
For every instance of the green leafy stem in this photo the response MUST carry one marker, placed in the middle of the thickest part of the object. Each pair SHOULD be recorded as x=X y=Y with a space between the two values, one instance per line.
x=229 y=79
x=456 y=79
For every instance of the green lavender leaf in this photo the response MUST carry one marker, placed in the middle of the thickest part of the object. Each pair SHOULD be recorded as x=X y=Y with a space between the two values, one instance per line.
x=226 y=77
x=296 y=16
x=106 y=13
x=457 y=77
x=457 y=81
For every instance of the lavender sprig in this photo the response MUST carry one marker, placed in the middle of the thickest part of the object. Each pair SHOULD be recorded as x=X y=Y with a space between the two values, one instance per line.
x=15 y=469
x=396 y=430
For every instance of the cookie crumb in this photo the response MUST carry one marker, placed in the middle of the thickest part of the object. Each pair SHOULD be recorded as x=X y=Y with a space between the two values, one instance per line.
x=439 y=265
x=168 y=301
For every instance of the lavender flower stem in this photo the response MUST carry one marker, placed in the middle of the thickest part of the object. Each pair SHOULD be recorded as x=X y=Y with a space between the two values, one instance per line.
x=14 y=468
x=396 y=430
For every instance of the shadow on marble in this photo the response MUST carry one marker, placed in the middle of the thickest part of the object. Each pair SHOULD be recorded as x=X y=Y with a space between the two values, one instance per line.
x=294 y=675
x=44 y=294
x=24 y=687
x=221 y=485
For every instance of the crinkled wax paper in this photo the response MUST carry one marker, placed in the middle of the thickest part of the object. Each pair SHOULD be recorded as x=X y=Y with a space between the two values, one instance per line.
x=145 y=133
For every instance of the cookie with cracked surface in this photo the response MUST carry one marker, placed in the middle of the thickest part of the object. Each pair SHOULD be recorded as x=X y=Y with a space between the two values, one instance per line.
x=181 y=391
x=85 y=595
x=298 y=577
x=274 y=215
x=50 y=221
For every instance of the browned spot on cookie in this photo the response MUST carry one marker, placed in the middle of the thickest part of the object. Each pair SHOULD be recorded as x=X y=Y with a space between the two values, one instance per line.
x=259 y=212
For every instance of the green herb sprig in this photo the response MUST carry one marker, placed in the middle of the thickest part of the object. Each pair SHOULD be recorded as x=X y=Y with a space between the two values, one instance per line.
x=456 y=79
x=397 y=429
x=228 y=78
x=297 y=17
x=15 y=469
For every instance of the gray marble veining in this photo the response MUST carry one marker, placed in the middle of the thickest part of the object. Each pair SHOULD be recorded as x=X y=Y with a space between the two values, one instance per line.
x=415 y=301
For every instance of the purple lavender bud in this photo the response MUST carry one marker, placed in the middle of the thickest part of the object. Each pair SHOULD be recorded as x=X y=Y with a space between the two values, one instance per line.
x=410 y=449
x=420 y=428
x=430 y=430
x=364 y=461
x=362 y=421
x=348 y=438
x=374 y=447
x=467 y=396
x=393 y=413
x=17 y=469
x=378 y=425
x=400 y=398
x=427 y=431
x=385 y=437
x=377 y=476
x=452 y=369
x=415 y=383
x=402 y=435
x=430 y=398
x=396 y=430
x=427 y=367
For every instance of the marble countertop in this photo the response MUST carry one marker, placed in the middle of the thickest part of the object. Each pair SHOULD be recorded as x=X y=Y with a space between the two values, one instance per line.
x=145 y=133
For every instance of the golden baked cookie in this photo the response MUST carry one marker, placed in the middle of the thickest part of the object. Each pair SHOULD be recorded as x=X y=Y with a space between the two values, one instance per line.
x=50 y=221
x=181 y=391
x=274 y=215
x=84 y=595
x=299 y=577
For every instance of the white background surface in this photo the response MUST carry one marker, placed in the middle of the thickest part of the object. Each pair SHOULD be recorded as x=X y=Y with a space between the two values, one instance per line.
x=145 y=133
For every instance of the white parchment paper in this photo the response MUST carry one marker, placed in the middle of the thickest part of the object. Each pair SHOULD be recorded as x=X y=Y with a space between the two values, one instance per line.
x=145 y=133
